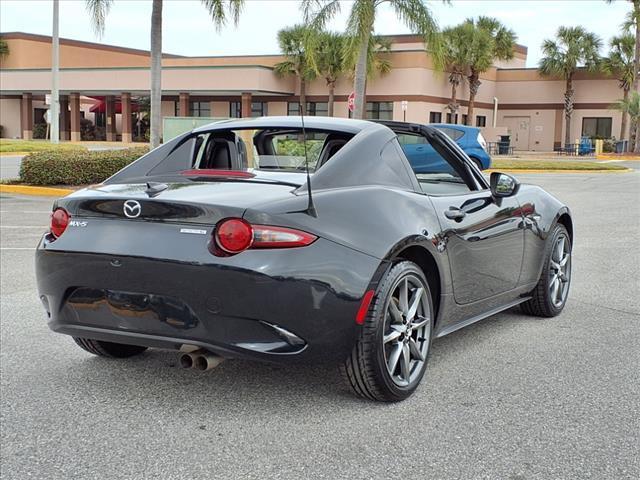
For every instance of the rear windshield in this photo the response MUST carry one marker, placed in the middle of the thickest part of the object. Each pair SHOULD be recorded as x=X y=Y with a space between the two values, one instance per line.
x=284 y=150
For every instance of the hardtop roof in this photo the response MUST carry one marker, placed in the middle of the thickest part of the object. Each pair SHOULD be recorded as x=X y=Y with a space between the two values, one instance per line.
x=345 y=125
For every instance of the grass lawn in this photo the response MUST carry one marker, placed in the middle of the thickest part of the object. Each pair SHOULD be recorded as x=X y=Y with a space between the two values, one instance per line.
x=8 y=145
x=498 y=164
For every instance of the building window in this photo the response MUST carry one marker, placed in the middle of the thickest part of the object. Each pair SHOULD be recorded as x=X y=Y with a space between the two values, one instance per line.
x=449 y=117
x=259 y=109
x=176 y=109
x=235 y=109
x=596 y=127
x=199 y=109
x=380 y=110
x=481 y=121
x=314 y=109
x=464 y=119
x=435 y=117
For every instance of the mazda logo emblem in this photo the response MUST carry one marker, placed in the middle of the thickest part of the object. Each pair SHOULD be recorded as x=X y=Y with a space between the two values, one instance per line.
x=132 y=209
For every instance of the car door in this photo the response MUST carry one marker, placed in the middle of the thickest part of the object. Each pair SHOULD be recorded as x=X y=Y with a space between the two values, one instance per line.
x=482 y=235
x=484 y=242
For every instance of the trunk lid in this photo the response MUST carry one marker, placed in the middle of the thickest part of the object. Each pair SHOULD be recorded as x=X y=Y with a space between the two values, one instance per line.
x=189 y=202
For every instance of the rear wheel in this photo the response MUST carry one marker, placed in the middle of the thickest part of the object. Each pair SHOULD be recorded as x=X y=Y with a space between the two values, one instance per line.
x=390 y=356
x=108 y=349
x=477 y=162
x=550 y=295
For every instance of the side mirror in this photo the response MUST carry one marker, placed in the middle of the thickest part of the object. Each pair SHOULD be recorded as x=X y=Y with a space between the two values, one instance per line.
x=503 y=185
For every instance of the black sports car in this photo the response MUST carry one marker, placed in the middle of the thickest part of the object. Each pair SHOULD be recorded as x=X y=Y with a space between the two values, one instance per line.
x=282 y=240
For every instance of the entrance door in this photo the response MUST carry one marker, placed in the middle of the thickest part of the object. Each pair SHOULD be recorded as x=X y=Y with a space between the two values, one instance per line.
x=518 y=128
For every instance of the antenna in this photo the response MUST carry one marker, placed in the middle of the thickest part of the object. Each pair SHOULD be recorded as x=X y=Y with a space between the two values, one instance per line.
x=311 y=209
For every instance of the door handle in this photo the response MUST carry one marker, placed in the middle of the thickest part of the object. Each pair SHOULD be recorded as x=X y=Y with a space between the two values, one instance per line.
x=454 y=214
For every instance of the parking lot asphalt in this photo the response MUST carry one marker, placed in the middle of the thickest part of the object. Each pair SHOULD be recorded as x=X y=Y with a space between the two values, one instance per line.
x=512 y=397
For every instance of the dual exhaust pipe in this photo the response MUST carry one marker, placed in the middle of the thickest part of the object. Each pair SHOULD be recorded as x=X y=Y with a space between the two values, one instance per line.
x=201 y=360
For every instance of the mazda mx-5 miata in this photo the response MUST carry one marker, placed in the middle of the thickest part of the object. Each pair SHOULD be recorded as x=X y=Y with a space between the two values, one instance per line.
x=285 y=239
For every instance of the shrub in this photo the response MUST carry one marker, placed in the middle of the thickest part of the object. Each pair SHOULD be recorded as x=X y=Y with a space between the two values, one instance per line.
x=40 y=131
x=87 y=129
x=75 y=167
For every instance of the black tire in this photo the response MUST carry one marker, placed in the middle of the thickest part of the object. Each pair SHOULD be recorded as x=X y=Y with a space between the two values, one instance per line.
x=477 y=162
x=541 y=303
x=366 y=367
x=108 y=349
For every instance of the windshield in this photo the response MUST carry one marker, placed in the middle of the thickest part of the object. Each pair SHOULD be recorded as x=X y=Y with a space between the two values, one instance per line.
x=284 y=150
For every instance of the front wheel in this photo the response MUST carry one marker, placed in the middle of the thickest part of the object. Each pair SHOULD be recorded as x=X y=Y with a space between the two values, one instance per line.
x=108 y=349
x=390 y=356
x=551 y=292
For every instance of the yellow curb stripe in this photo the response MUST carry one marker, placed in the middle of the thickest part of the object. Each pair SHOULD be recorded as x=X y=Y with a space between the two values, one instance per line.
x=13 y=154
x=626 y=170
x=618 y=158
x=40 y=191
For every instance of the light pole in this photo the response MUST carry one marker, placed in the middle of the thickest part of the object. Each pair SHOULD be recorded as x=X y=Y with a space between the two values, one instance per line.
x=55 y=64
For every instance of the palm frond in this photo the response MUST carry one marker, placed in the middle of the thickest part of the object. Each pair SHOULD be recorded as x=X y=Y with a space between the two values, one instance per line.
x=98 y=10
x=220 y=11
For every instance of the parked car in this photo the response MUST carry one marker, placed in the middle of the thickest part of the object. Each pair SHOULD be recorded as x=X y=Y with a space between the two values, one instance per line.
x=361 y=261
x=425 y=159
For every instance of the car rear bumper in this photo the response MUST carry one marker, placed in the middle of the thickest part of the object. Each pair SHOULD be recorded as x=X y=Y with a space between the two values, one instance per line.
x=274 y=305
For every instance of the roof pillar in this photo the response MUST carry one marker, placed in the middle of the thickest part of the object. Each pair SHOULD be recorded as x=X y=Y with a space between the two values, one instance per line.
x=246 y=104
x=183 y=110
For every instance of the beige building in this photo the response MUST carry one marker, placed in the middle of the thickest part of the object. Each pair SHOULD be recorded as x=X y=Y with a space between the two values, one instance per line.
x=101 y=83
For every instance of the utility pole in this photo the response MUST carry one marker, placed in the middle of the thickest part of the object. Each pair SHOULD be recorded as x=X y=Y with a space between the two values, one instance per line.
x=55 y=65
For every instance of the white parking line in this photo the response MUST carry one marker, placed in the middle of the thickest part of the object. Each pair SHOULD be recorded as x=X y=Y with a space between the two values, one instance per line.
x=23 y=226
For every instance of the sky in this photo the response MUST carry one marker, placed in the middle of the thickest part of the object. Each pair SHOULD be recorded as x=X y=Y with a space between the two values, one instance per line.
x=187 y=29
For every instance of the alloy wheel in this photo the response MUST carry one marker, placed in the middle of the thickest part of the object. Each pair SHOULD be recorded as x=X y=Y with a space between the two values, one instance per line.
x=560 y=271
x=407 y=330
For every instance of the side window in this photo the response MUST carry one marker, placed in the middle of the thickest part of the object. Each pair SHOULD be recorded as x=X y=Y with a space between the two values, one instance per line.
x=453 y=133
x=435 y=173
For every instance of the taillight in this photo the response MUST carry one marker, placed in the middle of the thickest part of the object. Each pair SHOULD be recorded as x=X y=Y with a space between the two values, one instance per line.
x=59 y=221
x=235 y=235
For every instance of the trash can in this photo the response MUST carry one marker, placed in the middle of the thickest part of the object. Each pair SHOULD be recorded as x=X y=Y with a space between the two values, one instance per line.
x=503 y=144
x=621 y=146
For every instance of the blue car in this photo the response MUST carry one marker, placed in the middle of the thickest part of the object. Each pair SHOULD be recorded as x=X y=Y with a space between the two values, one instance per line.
x=424 y=159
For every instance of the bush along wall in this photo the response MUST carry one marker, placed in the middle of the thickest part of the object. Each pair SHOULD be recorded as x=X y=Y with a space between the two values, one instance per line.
x=75 y=167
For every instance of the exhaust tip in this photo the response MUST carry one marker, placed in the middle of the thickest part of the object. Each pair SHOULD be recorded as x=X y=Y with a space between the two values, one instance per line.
x=201 y=363
x=186 y=361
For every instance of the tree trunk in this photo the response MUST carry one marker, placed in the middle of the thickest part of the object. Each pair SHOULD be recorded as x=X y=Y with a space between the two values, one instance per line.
x=474 y=85
x=332 y=88
x=303 y=96
x=453 y=106
x=360 y=80
x=156 y=72
x=636 y=69
x=625 y=117
x=568 y=110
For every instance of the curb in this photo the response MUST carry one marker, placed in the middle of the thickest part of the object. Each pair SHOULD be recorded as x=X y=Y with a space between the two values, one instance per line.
x=618 y=158
x=522 y=170
x=37 y=191
x=13 y=154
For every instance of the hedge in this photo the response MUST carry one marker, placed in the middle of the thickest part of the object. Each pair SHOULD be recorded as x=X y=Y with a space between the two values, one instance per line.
x=75 y=167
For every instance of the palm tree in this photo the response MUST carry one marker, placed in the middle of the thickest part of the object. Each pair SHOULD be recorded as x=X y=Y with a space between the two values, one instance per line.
x=329 y=62
x=293 y=46
x=455 y=52
x=414 y=13
x=630 y=106
x=219 y=11
x=487 y=40
x=4 y=48
x=574 y=47
x=620 y=62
